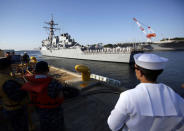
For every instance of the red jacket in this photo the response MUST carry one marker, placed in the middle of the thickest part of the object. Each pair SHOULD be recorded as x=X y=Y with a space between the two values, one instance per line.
x=38 y=89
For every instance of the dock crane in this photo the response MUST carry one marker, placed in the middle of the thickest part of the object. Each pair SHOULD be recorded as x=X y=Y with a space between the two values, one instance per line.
x=149 y=34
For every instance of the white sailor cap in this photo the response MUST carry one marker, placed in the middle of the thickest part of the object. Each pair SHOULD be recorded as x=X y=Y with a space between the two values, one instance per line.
x=150 y=61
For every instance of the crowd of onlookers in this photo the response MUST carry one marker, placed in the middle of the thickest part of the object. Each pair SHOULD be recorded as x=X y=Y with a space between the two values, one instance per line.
x=32 y=88
x=17 y=58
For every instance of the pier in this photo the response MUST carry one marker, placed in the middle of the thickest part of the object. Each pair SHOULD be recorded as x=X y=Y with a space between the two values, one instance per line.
x=91 y=107
x=85 y=111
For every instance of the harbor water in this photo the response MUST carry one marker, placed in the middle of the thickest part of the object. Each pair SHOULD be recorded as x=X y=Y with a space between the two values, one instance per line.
x=173 y=74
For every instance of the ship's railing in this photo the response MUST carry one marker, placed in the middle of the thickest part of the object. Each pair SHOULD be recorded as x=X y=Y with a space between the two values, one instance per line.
x=126 y=50
x=109 y=51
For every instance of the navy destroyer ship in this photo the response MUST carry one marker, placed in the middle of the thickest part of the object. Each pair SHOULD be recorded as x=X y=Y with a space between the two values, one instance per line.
x=66 y=47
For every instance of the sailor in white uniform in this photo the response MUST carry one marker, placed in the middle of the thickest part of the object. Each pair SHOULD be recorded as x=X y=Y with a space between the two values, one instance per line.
x=150 y=106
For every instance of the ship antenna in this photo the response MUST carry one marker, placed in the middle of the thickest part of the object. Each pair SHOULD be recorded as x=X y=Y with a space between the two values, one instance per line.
x=52 y=17
x=51 y=28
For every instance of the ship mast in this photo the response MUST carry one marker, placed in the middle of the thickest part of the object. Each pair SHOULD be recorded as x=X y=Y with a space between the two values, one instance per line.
x=51 y=28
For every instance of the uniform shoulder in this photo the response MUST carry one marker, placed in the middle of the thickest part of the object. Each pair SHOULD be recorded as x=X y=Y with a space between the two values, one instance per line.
x=131 y=91
x=172 y=92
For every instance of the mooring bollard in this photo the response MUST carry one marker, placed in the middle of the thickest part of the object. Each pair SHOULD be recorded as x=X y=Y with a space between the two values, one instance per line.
x=85 y=71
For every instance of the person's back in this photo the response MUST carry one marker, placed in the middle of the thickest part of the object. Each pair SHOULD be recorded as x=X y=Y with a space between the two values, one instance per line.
x=13 y=99
x=150 y=106
x=6 y=84
x=16 y=59
x=25 y=58
x=148 y=110
x=46 y=96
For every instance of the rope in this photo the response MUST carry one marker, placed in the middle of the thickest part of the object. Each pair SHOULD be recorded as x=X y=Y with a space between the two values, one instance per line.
x=94 y=92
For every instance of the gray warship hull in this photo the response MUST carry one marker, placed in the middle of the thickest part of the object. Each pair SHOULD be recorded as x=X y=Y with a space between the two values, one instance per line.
x=84 y=55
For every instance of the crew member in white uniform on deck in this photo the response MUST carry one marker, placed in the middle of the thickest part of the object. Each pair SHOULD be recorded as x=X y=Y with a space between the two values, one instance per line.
x=150 y=106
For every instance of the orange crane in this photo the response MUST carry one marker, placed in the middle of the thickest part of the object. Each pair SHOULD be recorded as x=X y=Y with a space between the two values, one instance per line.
x=150 y=33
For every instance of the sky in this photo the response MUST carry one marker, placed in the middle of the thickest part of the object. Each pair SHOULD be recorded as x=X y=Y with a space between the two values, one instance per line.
x=88 y=21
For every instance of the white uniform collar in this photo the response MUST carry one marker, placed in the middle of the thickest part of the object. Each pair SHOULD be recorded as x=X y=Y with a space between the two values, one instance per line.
x=159 y=100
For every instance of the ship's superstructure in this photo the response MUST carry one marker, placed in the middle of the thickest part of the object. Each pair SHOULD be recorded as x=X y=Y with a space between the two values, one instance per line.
x=64 y=46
